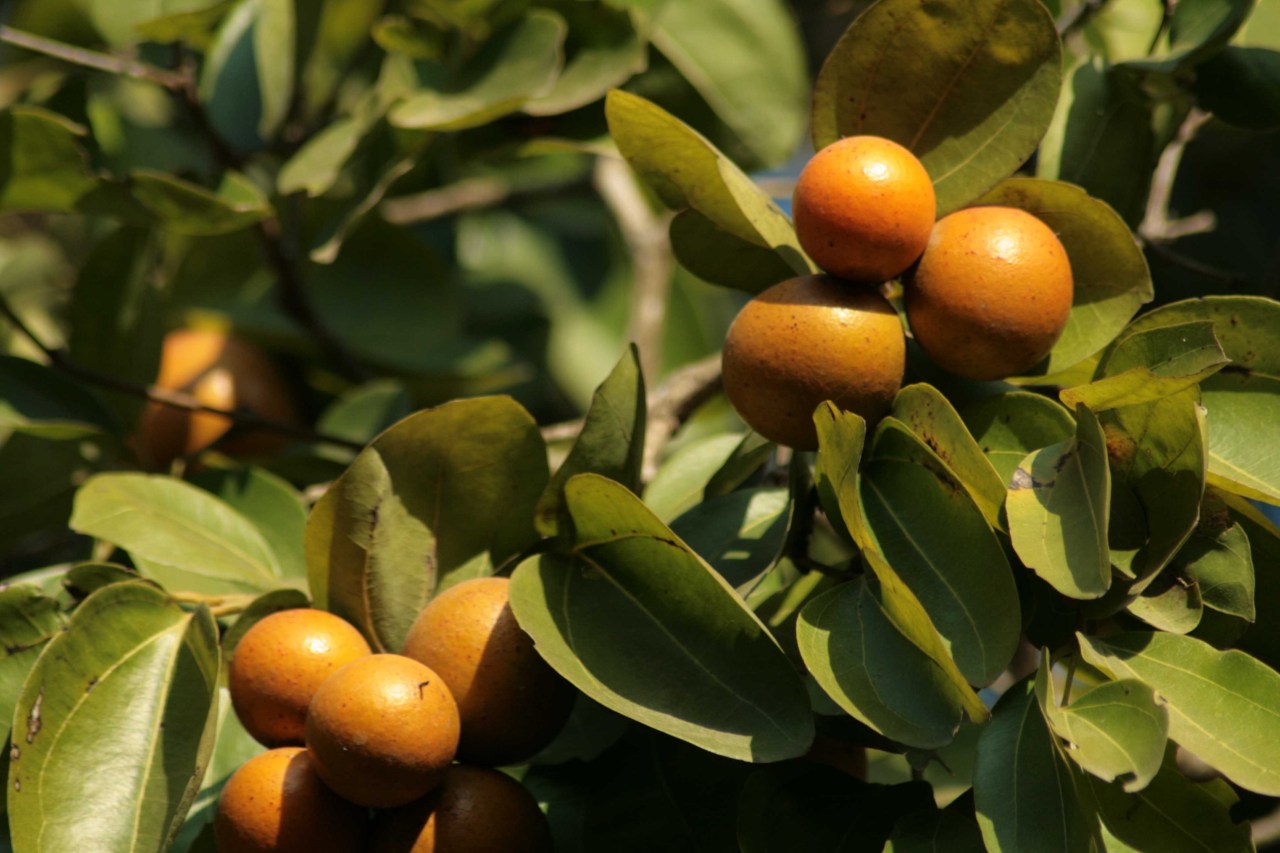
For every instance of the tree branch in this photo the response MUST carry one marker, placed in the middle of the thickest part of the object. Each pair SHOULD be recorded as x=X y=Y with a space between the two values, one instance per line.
x=61 y=361
x=1157 y=225
x=110 y=63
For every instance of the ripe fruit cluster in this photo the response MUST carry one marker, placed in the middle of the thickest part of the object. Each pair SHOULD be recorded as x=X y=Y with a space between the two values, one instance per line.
x=382 y=731
x=987 y=294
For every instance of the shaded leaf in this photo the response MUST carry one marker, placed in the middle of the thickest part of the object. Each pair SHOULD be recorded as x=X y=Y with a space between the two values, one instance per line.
x=269 y=503
x=872 y=649
x=718 y=257
x=443 y=496
x=177 y=534
x=969 y=88
x=1058 y=505
x=44 y=166
x=44 y=402
x=746 y=459
x=679 y=482
x=1009 y=426
x=603 y=49
x=1110 y=273
x=1197 y=30
x=28 y=620
x=186 y=208
x=276 y=601
x=132 y=669
x=740 y=534
x=1241 y=86
x=513 y=67
x=936 y=831
x=639 y=623
x=611 y=442
x=1223 y=706
x=1222 y=568
x=1171 y=605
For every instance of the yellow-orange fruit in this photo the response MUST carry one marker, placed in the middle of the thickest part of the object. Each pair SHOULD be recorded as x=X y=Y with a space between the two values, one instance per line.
x=279 y=664
x=276 y=802
x=473 y=811
x=382 y=730
x=222 y=372
x=807 y=340
x=863 y=208
x=511 y=702
x=992 y=293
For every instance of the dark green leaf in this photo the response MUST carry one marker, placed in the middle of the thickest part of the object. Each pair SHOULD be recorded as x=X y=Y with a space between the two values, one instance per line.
x=611 y=442
x=871 y=647
x=177 y=534
x=274 y=48
x=443 y=496
x=1241 y=86
x=970 y=88
x=639 y=623
x=1222 y=568
x=42 y=401
x=936 y=831
x=261 y=607
x=1009 y=426
x=746 y=459
x=271 y=505
x=84 y=579
x=44 y=166
x=1111 y=276
x=132 y=669
x=680 y=480
x=603 y=50
x=745 y=58
x=513 y=67
x=935 y=537
x=1197 y=30
x=1017 y=816
x=740 y=534
x=1223 y=706
x=718 y=257
x=686 y=171
x=363 y=412
x=186 y=208
x=1058 y=505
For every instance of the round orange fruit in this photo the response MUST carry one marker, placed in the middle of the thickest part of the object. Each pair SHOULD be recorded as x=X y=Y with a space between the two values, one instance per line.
x=863 y=208
x=511 y=702
x=276 y=802
x=474 y=810
x=222 y=372
x=807 y=340
x=992 y=293
x=382 y=730
x=279 y=664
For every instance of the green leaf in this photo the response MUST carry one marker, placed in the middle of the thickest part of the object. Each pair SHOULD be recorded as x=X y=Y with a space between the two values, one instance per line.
x=228 y=86
x=746 y=459
x=969 y=88
x=1116 y=731
x=118 y=20
x=274 y=49
x=934 y=536
x=1151 y=365
x=930 y=416
x=679 y=483
x=1172 y=606
x=28 y=620
x=1172 y=814
x=639 y=623
x=1024 y=791
x=740 y=534
x=1243 y=401
x=194 y=28
x=1102 y=139
x=187 y=208
x=177 y=534
x=1009 y=426
x=1110 y=273
x=686 y=171
x=44 y=167
x=1197 y=30
x=936 y=831
x=276 y=601
x=1223 y=706
x=1159 y=453
x=364 y=411
x=1241 y=86
x=841 y=436
x=42 y=401
x=718 y=257
x=815 y=809
x=270 y=504
x=134 y=670
x=745 y=58
x=1058 y=505
x=84 y=579
x=1221 y=566
x=611 y=442
x=342 y=30
x=445 y=495
x=516 y=65
x=871 y=647
x=603 y=50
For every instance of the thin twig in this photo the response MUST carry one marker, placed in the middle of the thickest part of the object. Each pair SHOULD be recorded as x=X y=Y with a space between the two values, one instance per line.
x=61 y=361
x=645 y=233
x=1157 y=225
x=112 y=64
x=1265 y=829
x=469 y=194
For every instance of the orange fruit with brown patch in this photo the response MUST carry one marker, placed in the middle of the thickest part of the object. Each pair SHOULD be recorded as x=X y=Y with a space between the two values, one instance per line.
x=992 y=293
x=276 y=802
x=511 y=702
x=863 y=208
x=382 y=730
x=222 y=372
x=279 y=664
x=474 y=810
x=807 y=340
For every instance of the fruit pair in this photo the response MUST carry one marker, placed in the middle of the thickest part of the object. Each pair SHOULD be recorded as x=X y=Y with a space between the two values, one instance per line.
x=988 y=295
